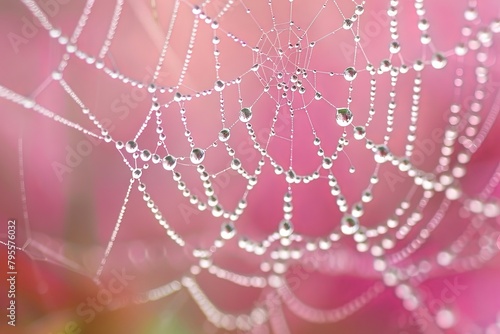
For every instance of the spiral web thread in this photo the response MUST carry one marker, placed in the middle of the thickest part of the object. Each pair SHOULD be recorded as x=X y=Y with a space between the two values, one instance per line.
x=281 y=62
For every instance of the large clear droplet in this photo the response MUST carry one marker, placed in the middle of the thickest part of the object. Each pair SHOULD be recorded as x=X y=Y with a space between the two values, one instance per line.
x=423 y=25
x=344 y=116
x=453 y=192
x=136 y=173
x=359 y=132
x=224 y=135
x=385 y=65
x=347 y=24
x=145 y=155
x=219 y=85
x=438 y=61
x=169 y=162
x=471 y=14
x=327 y=163
x=349 y=225
x=350 y=74
x=235 y=164
x=394 y=47
x=227 y=231
x=245 y=114
x=382 y=154
x=290 y=176
x=197 y=155
x=285 y=228
x=131 y=146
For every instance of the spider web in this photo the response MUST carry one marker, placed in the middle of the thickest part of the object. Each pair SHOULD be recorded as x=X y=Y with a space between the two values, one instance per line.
x=253 y=111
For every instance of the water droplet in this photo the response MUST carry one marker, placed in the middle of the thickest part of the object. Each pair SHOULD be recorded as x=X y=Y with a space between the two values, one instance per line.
x=131 y=146
x=367 y=196
x=178 y=97
x=145 y=155
x=495 y=26
x=227 y=231
x=169 y=162
x=344 y=116
x=491 y=209
x=438 y=61
x=359 y=132
x=57 y=75
x=359 y=9
x=471 y=14
x=285 y=228
x=485 y=36
x=444 y=258
x=350 y=74
x=196 y=10
x=349 y=225
x=327 y=163
x=224 y=135
x=255 y=67
x=394 y=47
x=151 y=88
x=197 y=155
x=404 y=164
x=136 y=173
x=419 y=65
x=385 y=65
x=357 y=210
x=55 y=33
x=245 y=114
x=423 y=25
x=28 y=103
x=453 y=192
x=219 y=85
x=155 y=158
x=235 y=164
x=205 y=262
x=445 y=318
x=290 y=176
x=382 y=154
x=347 y=24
